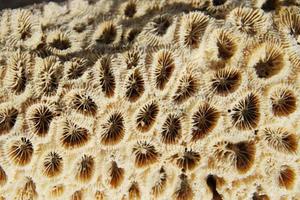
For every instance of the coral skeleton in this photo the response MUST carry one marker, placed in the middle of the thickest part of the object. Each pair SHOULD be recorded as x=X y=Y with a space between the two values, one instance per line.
x=150 y=100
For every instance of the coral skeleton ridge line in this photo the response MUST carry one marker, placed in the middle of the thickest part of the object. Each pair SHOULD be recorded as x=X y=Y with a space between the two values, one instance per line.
x=150 y=100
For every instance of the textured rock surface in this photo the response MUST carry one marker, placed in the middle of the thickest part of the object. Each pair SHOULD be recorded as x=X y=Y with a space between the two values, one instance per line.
x=150 y=100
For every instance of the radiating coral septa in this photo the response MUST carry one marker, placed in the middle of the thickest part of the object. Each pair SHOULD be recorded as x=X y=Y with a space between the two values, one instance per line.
x=280 y=139
x=225 y=81
x=146 y=116
x=116 y=174
x=134 y=192
x=192 y=28
x=183 y=190
x=28 y=190
x=75 y=68
x=8 y=118
x=248 y=21
x=204 y=120
x=21 y=151
x=85 y=169
x=113 y=130
x=3 y=176
x=187 y=160
x=48 y=73
x=283 y=102
x=105 y=75
x=163 y=69
x=246 y=113
x=19 y=72
x=145 y=154
x=160 y=184
x=52 y=164
x=72 y=135
x=171 y=130
x=287 y=177
x=39 y=118
x=134 y=86
x=62 y=43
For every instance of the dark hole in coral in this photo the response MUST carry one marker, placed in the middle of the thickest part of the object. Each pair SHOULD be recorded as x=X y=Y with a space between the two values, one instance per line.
x=132 y=34
x=130 y=10
x=257 y=196
x=218 y=2
x=269 y=5
x=212 y=184
x=108 y=35
x=267 y=69
x=61 y=44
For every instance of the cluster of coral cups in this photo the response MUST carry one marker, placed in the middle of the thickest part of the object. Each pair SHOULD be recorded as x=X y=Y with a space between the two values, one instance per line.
x=150 y=99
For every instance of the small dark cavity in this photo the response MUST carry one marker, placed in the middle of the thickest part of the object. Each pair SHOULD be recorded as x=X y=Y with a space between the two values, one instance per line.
x=61 y=44
x=212 y=184
x=218 y=2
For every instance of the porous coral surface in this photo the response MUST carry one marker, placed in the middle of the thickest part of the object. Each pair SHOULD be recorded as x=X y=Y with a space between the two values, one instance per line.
x=150 y=99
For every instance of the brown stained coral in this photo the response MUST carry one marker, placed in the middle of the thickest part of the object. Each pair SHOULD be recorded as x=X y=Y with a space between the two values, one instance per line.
x=281 y=140
x=288 y=22
x=57 y=190
x=105 y=76
x=130 y=9
x=77 y=195
x=72 y=135
x=108 y=33
x=187 y=160
x=160 y=183
x=163 y=69
x=83 y=103
x=28 y=190
x=113 y=130
x=3 y=176
x=171 y=130
x=287 y=177
x=159 y=30
x=271 y=62
x=85 y=168
x=241 y=155
x=116 y=175
x=47 y=77
x=18 y=72
x=8 y=118
x=26 y=32
x=283 y=101
x=145 y=154
x=193 y=26
x=146 y=116
x=75 y=68
x=39 y=118
x=225 y=81
x=134 y=191
x=53 y=164
x=134 y=86
x=21 y=151
x=187 y=87
x=184 y=190
x=204 y=120
x=132 y=58
x=246 y=113
x=248 y=20
x=61 y=43
x=195 y=89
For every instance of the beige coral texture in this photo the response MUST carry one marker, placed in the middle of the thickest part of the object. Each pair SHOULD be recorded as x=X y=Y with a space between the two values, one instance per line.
x=150 y=99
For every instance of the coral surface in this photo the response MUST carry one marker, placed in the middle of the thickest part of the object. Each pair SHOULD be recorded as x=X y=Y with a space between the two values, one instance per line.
x=150 y=99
